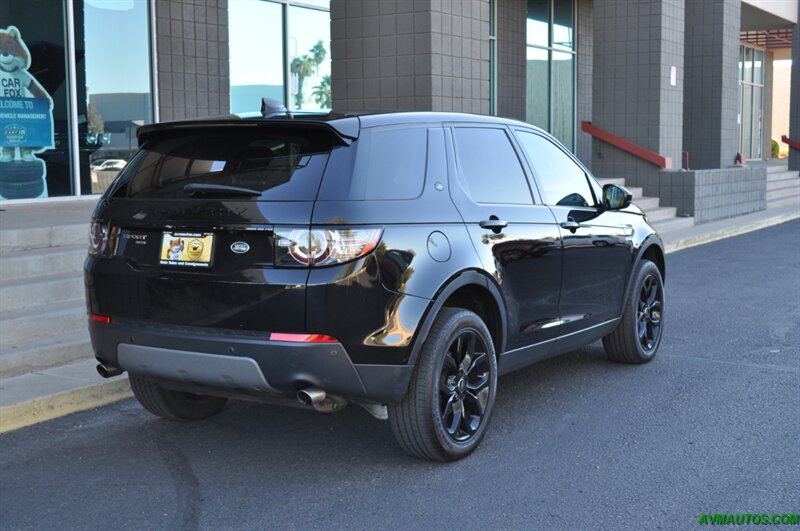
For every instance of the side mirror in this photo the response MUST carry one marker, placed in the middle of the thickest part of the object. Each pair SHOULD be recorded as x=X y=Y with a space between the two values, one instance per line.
x=616 y=197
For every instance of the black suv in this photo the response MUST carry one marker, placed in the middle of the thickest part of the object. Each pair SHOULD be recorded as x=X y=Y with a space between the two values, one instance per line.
x=401 y=262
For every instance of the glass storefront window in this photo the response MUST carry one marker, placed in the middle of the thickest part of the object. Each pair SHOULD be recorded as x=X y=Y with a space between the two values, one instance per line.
x=550 y=102
x=256 y=53
x=292 y=67
x=748 y=65
x=538 y=26
x=35 y=140
x=758 y=68
x=563 y=124
x=112 y=44
x=538 y=88
x=563 y=22
x=309 y=59
x=751 y=107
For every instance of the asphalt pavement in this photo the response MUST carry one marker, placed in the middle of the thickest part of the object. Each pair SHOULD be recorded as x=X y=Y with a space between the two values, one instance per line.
x=710 y=426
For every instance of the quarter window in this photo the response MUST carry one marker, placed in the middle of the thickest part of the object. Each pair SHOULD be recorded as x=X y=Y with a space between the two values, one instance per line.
x=562 y=182
x=490 y=168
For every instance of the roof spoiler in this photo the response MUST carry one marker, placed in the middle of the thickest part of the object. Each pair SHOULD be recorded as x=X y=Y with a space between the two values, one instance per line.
x=345 y=129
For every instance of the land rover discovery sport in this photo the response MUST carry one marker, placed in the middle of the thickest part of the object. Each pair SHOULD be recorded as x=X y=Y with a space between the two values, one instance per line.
x=401 y=262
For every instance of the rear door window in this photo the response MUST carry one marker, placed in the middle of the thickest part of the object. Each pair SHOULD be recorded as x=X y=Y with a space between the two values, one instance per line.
x=490 y=170
x=281 y=165
x=386 y=163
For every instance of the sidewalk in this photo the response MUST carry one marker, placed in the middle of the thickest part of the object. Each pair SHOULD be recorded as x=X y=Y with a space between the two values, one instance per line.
x=38 y=396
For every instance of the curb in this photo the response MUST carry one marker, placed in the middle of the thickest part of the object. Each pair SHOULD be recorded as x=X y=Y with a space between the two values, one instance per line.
x=728 y=233
x=49 y=407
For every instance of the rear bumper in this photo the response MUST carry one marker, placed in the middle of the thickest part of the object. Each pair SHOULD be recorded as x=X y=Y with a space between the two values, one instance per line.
x=243 y=362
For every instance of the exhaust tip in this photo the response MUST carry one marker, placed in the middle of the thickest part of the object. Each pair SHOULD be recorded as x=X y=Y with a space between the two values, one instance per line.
x=310 y=396
x=107 y=372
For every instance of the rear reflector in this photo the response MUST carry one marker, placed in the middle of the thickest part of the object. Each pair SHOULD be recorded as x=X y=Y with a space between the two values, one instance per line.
x=102 y=319
x=302 y=338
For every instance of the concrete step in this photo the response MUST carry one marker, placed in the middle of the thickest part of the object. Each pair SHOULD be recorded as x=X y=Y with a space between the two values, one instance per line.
x=783 y=184
x=793 y=201
x=44 y=353
x=671 y=224
x=43 y=237
x=635 y=191
x=619 y=182
x=19 y=294
x=660 y=213
x=37 y=262
x=777 y=168
x=781 y=175
x=17 y=327
x=647 y=203
x=783 y=193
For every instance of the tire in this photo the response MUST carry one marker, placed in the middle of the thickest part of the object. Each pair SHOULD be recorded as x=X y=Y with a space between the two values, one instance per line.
x=21 y=180
x=174 y=405
x=426 y=422
x=626 y=343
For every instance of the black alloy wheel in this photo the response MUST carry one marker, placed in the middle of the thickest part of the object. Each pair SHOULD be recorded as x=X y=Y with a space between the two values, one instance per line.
x=651 y=302
x=464 y=385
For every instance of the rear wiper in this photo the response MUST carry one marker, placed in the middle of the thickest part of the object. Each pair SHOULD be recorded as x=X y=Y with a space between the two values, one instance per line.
x=218 y=189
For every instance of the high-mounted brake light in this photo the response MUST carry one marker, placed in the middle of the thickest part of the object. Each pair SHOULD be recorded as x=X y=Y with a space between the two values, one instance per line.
x=302 y=338
x=102 y=319
x=304 y=247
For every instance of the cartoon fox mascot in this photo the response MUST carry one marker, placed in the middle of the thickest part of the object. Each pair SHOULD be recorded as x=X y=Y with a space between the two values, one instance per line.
x=16 y=86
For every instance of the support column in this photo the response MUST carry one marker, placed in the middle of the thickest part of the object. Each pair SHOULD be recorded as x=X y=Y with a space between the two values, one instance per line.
x=192 y=56
x=637 y=44
x=711 y=94
x=794 y=106
x=423 y=55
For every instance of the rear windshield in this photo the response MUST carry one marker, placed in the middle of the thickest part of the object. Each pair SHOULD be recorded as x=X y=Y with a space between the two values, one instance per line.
x=281 y=165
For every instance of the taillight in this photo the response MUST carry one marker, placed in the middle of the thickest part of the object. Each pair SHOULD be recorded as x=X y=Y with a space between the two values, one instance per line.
x=98 y=238
x=302 y=338
x=303 y=247
x=102 y=319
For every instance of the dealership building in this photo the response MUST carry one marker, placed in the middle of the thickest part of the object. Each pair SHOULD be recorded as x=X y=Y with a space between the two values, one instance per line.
x=674 y=96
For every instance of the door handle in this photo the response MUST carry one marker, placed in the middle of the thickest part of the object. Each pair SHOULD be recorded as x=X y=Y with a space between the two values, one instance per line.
x=494 y=224
x=570 y=225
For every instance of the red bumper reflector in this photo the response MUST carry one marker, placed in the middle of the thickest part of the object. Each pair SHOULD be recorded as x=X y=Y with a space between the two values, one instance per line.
x=102 y=319
x=302 y=338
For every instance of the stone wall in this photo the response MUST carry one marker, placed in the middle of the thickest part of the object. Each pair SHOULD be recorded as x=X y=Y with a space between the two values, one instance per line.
x=714 y=194
x=192 y=56
x=424 y=55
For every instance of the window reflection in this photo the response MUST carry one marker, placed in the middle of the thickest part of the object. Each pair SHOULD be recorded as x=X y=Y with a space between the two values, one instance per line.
x=538 y=22
x=256 y=53
x=538 y=101
x=35 y=160
x=262 y=54
x=550 y=101
x=562 y=25
x=563 y=126
x=114 y=85
x=309 y=59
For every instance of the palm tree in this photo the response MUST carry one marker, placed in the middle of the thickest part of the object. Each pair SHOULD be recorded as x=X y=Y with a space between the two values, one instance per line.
x=319 y=53
x=322 y=93
x=305 y=66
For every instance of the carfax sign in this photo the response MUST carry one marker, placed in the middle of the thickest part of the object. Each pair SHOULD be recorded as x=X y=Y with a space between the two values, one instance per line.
x=26 y=121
